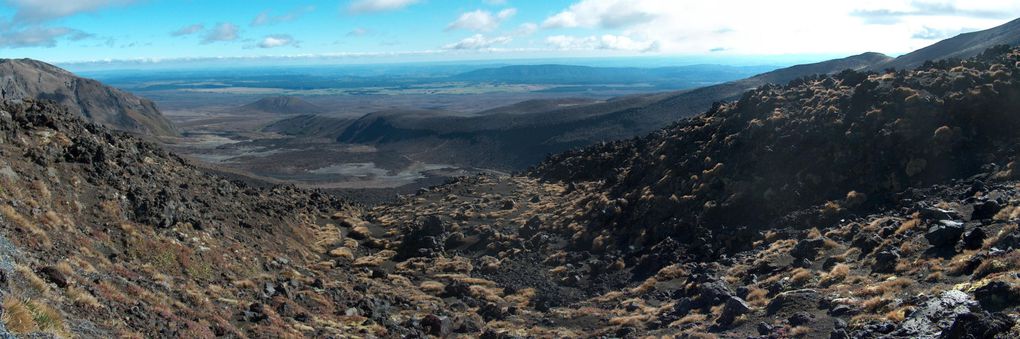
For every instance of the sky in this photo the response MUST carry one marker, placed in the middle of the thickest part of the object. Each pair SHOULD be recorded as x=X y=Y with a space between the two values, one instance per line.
x=366 y=31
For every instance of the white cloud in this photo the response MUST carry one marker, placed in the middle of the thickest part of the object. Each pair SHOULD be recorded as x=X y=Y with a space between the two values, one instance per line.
x=39 y=37
x=480 y=20
x=359 y=32
x=525 y=29
x=479 y=41
x=604 y=13
x=42 y=10
x=188 y=30
x=279 y=40
x=777 y=26
x=265 y=18
x=604 y=42
x=370 y=6
x=222 y=32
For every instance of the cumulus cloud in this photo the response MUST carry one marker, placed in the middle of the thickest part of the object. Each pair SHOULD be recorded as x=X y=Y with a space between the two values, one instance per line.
x=479 y=41
x=604 y=42
x=188 y=30
x=221 y=32
x=480 y=20
x=777 y=26
x=265 y=18
x=603 y=14
x=277 y=40
x=40 y=37
x=42 y=10
x=920 y=8
x=525 y=29
x=370 y=6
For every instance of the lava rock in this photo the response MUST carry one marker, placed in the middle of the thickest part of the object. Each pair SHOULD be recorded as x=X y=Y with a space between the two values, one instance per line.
x=985 y=210
x=799 y=318
x=997 y=295
x=885 y=261
x=935 y=213
x=793 y=301
x=944 y=234
x=491 y=311
x=936 y=314
x=733 y=308
x=434 y=325
x=456 y=289
x=974 y=239
x=866 y=242
x=978 y=325
x=53 y=275
x=807 y=248
x=423 y=240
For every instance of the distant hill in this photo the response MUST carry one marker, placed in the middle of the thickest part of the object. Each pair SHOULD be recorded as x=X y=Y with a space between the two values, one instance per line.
x=677 y=77
x=283 y=105
x=962 y=46
x=310 y=125
x=31 y=79
x=517 y=136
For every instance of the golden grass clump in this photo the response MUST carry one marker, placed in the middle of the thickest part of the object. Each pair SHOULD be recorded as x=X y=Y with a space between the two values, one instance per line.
x=17 y=317
x=29 y=316
x=25 y=225
x=836 y=274
x=801 y=276
x=36 y=283
x=83 y=299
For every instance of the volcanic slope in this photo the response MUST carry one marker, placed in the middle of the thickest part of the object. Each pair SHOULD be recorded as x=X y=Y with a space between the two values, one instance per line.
x=31 y=79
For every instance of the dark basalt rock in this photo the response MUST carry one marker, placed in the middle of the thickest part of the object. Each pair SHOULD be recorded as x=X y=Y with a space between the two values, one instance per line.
x=807 y=248
x=978 y=325
x=997 y=296
x=885 y=261
x=793 y=301
x=944 y=234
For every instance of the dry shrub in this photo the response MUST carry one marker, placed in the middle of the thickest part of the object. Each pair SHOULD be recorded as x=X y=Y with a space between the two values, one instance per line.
x=875 y=303
x=801 y=276
x=17 y=317
x=758 y=297
x=34 y=282
x=28 y=316
x=692 y=318
x=800 y=331
x=908 y=225
x=25 y=225
x=837 y=274
x=83 y=299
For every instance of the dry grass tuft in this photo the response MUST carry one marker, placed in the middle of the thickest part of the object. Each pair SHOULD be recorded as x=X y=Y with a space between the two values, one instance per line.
x=17 y=317
x=34 y=282
x=801 y=276
x=83 y=299
x=837 y=274
x=25 y=225
x=800 y=331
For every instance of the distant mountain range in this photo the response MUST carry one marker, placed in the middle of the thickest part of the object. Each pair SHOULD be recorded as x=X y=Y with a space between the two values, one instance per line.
x=520 y=137
x=31 y=79
x=584 y=75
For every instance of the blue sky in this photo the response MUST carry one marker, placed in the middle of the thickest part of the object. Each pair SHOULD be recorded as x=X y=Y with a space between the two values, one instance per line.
x=68 y=31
